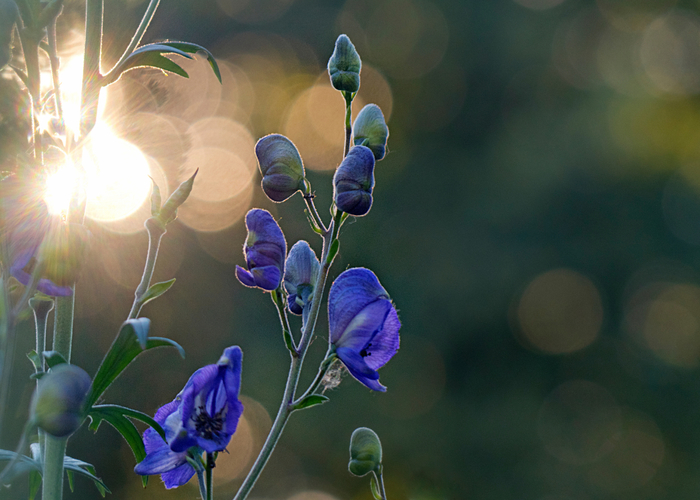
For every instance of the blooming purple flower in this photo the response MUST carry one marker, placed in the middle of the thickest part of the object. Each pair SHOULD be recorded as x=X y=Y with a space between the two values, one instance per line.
x=364 y=325
x=25 y=222
x=354 y=180
x=203 y=417
x=264 y=249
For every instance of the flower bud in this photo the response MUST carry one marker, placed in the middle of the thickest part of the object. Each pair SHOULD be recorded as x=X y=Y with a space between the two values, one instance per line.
x=264 y=250
x=370 y=130
x=344 y=66
x=57 y=406
x=8 y=16
x=300 y=275
x=281 y=167
x=365 y=452
x=63 y=253
x=354 y=180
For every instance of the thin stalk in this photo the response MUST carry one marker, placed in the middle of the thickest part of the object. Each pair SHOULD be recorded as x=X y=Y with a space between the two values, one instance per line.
x=55 y=78
x=311 y=206
x=348 y=122
x=278 y=300
x=140 y=31
x=155 y=234
x=380 y=481
x=90 y=93
x=41 y=309
x=202 y=484
x=209 y=470
x=322 y=370
x=286 y=406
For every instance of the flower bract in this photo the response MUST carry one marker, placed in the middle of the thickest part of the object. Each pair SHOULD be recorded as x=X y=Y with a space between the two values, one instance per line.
x=203 y=417
x=364 y=325
x=265 y=249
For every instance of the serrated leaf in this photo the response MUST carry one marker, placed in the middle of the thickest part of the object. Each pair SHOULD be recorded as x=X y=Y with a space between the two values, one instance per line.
x=310 y=400
x=193 y=48
x=333 y=251
x=34 y=484
x=85 y=469
x=124 y=349
x=156 y=291
x=150 y=55
x=54 y=358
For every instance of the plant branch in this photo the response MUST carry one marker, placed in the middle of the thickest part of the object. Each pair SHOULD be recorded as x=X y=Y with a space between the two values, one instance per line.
x=140 y=31
x=155 y=234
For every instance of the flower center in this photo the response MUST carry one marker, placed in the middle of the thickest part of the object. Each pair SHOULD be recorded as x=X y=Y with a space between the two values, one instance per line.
x=206 y=425
x=365 y=352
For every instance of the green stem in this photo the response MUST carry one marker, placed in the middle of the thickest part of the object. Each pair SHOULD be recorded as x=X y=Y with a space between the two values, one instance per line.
x=155 y=234
x=285 y=409
x=140 y=31
x=380 y=481
x=90 y=93
x=41 y=309
x=322 y=370
x=56 y=80
x=311 y=206
x=202 y=484
x=210 y=476
x=348 y=121
x=278 y=300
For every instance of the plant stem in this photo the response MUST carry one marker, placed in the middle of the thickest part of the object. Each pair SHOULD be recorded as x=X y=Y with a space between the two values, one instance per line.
x=311 y=206
x=143 y=26
x=380 y=481
x=41 y=309
x=348 y=121
x=285 y=409
x=202 y=484
x=278 y=300
x=209 y=470
x=90 y=93
x=155 y=234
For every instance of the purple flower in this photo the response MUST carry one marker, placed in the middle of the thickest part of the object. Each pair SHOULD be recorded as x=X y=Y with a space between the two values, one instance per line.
x=354 y=180
x=300 y=276
x=364 y=325
x=203 y=417
x=25 y=222
x=264 y=249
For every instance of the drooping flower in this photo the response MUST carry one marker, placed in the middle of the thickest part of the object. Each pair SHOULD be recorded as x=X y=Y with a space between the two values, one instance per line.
x=264 y=249
x=281 y=167
x=344 y=66
x=203 y=417
x=370 y=130
x=364 y=325
x=365 y=452
x=300 y=276
x=354 y=180
x=25 y=222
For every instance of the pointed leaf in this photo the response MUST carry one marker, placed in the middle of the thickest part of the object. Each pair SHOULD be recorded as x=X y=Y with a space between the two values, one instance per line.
x=105 y=411
x=54 y=358
x=141 y=327
x=36 y=360
x=310 y=400
x=71 y=480
x=193 y=48
x=124 y=349
x=155 y=198
x=125 y=427
x=34 y=484
x=156 y=291
x=22 y=465
x=85 y=469
x=150 y=55
x=333 y=251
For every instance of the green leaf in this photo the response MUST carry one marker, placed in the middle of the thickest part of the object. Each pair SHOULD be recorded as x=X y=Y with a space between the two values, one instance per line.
x=310 y=400
x=169 y=211
x=22 y=465
x=34 y=484
x=36 y=360
x=37 y=375
x=104 y=411
x=141 y=327
x=148 y=56
x=374 y=486
x=71 y=481
x=87 y=470
x=125 y=427
x=156 y=291
x=333 y=251
x=125 y=348
x=54 y=358
x=155 y=198
x=193 y=48
x=289 y=341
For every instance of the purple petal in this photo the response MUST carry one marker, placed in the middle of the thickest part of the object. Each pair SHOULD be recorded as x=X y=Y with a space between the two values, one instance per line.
x=160 y=460
x=267 y=278
x=245 y=277
x=365 y=325
x=385 y=343
x=358 y=368
x=351 y=292
x=178 y=476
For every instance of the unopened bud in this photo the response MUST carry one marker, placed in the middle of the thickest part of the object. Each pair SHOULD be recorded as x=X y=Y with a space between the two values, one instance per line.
x=365 y=452
x=57 y=406
x=344 y=66
x=354 y=180
x=281 y=167
x=300 y=275
x=370 y=130
x=169 y=211
x=63 y=253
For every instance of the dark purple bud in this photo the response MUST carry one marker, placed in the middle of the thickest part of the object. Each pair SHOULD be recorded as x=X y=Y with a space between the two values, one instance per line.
x=370 y=130
x=354 y=180
x=281 y=167
x=363 y=324
x=300 y=276
x=264 y=249
x=344 y=66
x=57 y=406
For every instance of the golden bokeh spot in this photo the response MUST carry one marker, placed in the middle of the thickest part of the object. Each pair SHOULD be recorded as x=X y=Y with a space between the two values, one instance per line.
x=312 y=495
x=560 y=312
x=633 y=15
x=208 y=216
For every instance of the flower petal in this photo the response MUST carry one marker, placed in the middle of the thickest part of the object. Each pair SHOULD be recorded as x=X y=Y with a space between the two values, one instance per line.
x=160 y=460
x=365 y=325
x=385 y=343
x=358 y=368
x=178 y=476
x=245 y=277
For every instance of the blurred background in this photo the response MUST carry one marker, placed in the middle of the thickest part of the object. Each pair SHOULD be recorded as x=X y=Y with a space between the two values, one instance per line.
x=536 y=221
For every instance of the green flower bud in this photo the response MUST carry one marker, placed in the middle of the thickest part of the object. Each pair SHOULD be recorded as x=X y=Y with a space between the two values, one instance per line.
x=57 y=406
x=365 y=452
x=370 y=130
x=63 y=253
x=281 y=167
x=344 y=66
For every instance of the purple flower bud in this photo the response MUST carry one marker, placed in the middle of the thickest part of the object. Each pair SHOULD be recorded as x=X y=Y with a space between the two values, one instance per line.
x=370 y=130
x=57 y=406
x=364 y=325
x=203 y=417
x=281 y=167
x=354 y=180
x=300 y=275
x=344 y=66
x=264 y=249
